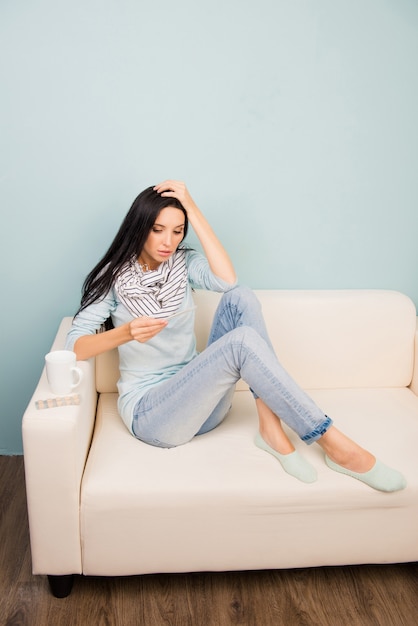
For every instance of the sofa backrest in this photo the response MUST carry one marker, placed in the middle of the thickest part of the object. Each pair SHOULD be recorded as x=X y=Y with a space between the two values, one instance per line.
x=325 y=339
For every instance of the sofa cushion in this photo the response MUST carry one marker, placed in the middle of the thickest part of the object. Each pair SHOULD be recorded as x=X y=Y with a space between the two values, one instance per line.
x=220 y=503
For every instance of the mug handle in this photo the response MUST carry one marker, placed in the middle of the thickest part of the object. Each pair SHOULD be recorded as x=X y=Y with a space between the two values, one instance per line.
x=79 y=374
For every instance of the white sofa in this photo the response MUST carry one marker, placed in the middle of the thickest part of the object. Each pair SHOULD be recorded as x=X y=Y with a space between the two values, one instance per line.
x=102 y=503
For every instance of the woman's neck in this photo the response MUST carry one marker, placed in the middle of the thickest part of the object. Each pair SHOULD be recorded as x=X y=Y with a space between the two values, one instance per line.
x=147 y=266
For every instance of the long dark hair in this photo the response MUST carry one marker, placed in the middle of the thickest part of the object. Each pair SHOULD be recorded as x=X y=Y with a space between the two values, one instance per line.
x=129 y=241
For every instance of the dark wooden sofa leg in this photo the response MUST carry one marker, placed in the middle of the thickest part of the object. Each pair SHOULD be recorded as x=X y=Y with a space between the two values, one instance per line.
x=61 y=585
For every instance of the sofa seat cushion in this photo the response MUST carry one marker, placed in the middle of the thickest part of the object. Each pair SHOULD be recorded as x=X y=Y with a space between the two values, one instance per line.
x=219 y=503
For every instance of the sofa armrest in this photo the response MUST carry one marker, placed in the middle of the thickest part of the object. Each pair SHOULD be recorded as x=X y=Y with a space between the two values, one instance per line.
x=56 y=442
x=414 y=383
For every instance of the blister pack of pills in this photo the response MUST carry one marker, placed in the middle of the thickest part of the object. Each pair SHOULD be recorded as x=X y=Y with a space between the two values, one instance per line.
x=57 y=401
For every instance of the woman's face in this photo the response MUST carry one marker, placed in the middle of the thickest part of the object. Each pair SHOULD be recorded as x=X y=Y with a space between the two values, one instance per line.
x=164 y=237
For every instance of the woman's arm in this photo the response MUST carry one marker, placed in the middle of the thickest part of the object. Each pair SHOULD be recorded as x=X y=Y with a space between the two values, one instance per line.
x=218 y=258
x=140 y=329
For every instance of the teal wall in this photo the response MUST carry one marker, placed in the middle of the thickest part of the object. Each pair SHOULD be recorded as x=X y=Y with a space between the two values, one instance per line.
x=294 y=123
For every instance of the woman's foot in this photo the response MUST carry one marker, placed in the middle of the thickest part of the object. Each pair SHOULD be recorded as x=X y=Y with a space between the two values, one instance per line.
x=347 y=457
x=345 y=452
x=293 y=463
x=273 y=439
x=380 y=477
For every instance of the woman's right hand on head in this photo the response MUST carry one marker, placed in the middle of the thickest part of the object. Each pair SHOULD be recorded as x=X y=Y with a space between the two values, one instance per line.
x=144 y=328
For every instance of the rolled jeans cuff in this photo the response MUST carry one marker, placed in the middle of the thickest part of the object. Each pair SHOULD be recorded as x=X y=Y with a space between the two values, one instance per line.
x=316 y=434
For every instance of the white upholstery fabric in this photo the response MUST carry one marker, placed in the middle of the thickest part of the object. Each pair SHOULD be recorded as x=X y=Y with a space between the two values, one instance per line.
x=220 y=503
x=414 y=383
x=56 y=443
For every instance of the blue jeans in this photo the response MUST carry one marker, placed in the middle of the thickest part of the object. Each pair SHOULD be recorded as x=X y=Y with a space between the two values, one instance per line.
x=199 y=396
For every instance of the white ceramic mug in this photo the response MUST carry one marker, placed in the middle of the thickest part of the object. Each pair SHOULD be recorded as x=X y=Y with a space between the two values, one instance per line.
x=62 y=373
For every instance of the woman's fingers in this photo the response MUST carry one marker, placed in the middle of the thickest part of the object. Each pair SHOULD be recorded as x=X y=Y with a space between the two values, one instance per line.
x=144 y=328
x=172 y=189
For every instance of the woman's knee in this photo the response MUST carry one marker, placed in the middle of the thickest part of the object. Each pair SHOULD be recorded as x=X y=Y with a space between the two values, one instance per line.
x=245 y=335
x=241 y=296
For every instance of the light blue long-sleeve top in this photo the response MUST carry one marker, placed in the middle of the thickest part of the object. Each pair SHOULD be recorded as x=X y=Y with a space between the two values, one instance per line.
x=143 y=365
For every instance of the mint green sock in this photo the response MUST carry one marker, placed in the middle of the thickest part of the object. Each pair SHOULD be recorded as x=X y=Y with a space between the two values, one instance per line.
x=293 y=463
x=380 y=477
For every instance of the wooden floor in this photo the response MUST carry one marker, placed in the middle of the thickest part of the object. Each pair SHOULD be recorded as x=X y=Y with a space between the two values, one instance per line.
x=376 y=595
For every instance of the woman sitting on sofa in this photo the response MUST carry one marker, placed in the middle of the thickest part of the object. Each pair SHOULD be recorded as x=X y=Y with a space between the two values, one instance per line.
x=168 y=393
